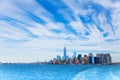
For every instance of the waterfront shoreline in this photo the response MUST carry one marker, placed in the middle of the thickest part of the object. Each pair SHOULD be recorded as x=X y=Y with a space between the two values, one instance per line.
x=116 y=63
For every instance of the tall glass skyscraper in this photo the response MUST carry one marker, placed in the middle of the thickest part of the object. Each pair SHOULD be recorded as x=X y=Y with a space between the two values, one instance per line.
x=65 y=51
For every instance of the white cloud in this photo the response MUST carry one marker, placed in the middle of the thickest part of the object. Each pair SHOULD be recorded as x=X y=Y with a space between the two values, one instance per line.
x=115 y=21
x=50 y=43
x=77 y=8
x=56 y=26
x=45 y=31
x=41 y=31
x=66 y=13
x=8 y=8
x=108 y=3
x=114 y=7
x=78 y=26
x=96 y=36
x=9 y=31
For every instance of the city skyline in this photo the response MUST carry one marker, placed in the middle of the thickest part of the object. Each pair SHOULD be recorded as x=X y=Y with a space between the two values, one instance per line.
x=98 y=58
x=37 y=30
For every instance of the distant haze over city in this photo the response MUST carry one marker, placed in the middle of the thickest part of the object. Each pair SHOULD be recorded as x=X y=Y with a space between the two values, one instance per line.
x=38 y=30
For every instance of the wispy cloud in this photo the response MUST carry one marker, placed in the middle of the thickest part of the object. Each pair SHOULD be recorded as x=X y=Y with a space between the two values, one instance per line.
x=35 y=26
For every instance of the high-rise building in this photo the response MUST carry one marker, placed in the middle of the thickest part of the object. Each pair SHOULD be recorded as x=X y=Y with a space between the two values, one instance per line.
x=107 y=58
x=82 y=60
x=74 y=53
x=54 y=61
x=65 y=53
x=58 y=57
x=78 y=57
x=102 y=58
x=96 y=58
x=91 y=58
x=86 y=59
x=110 y=59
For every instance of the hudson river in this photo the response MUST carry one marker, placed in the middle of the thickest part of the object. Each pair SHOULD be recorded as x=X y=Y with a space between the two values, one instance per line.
x=59 y=72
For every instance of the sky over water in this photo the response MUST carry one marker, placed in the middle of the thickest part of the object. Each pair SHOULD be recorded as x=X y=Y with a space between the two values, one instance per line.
x=37 y=30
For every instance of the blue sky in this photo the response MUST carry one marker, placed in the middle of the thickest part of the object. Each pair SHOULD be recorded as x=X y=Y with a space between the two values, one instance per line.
x=37 y=30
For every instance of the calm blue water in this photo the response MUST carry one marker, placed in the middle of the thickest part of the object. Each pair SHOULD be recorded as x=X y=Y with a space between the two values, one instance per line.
x=59 y=72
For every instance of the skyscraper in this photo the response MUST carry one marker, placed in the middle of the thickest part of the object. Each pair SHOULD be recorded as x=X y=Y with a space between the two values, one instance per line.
x=74 y=53
x=78 y=57
x=65 y=51
x=91 y=58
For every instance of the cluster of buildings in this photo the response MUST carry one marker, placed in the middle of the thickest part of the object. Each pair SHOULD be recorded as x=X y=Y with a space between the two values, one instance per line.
x=100 y=58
